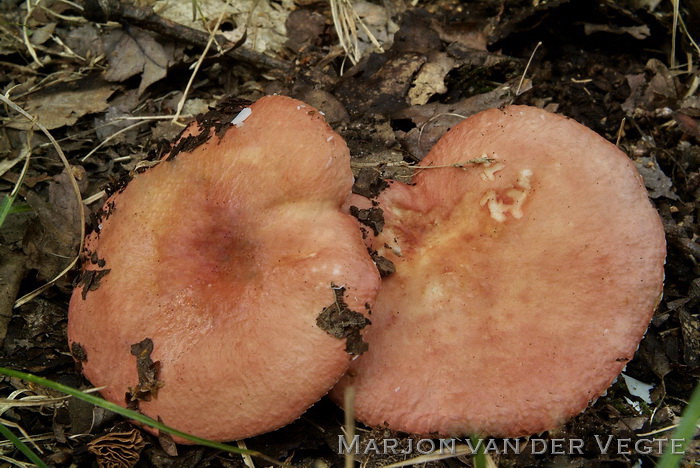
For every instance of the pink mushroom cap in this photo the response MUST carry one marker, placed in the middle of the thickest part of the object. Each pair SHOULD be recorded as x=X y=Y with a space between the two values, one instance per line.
x=224 y=257
x=522 y=287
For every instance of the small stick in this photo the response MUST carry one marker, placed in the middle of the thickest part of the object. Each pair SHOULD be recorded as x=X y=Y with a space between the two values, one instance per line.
x=522 y=78
x=459 y=165
x=620 y=131
x=349 y=405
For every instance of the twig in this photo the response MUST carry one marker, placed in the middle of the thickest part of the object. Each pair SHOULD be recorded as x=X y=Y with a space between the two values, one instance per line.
x=25 y=35
x=247 y=459
x=620 y=131
x=146 y=18
x=422 y=127
x=93 y=198
x=458 y=165
x=688 y=35
x=349 y=406
x=522 y=78
x=113 y=135
x=676 y=14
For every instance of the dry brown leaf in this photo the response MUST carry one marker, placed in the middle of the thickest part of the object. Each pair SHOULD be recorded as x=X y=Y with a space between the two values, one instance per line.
x=53 y=238
x=133 y=51
x=658 y=183
x=637 y=32
x=433 y=120
x=42 y=34
x=430 y=79
x=64 y=105
x=661 y=90
x=12 y=270
x=85 y=41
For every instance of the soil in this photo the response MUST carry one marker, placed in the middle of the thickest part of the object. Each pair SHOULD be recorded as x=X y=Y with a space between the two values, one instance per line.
x=607 y=64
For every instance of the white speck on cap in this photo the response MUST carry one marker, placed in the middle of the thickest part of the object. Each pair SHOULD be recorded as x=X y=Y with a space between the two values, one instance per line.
x=242 y=115
x=329 y=138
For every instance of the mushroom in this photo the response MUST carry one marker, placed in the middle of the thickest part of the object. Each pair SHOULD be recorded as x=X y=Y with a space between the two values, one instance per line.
x=225 y=289
x=522 y=287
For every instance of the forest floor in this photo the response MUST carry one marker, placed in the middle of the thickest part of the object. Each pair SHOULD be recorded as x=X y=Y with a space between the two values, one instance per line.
x=111 y=89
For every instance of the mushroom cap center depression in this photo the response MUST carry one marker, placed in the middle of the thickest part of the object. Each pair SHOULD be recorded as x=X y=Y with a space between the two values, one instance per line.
x=224 y=256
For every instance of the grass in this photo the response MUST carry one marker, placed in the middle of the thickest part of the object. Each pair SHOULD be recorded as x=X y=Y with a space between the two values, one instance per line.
x=685 y=431
x=129 y=414
x=21 y=446
x=7 y=206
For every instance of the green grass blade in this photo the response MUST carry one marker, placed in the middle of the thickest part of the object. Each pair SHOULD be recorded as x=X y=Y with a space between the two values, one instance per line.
x=685 y=432
x=479 y=458
x=20 y=208
x=9 y=199
x=21 y=446
x=127 y=413
x=5 y=207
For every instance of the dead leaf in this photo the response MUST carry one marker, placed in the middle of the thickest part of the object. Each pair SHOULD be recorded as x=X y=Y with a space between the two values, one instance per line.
x=687 y=123
x=85 y=41
x=304 y=28
x=652 y=93
x=466 y=34
x=343 y=323
x=636 y=99
x=12 y=271
x=379 y=85
x=42 y=34
x=324 y=101
x=166 y=442
x=264 y=21
x=377 y=19
x=64 y=104
x=662 y=85
x=431 y=121
x=369 y=182
x=691 y=106
x=53 y=238
x=638 y=32
x=690 y=327
x=653 y=355
x=430 y=79
x=658 y=183
x=147 y=370
x=133 y=51
x=383 y=92
x=646 y=4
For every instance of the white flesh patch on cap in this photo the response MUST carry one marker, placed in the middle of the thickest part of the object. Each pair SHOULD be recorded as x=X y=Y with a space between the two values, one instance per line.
x=242 y=115
x=498 y=208
x=490 y=168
